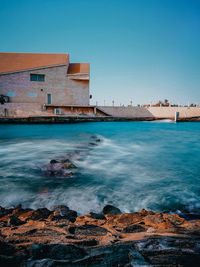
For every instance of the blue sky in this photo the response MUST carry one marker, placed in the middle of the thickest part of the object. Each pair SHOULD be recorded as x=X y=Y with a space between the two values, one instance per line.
x=144 y=50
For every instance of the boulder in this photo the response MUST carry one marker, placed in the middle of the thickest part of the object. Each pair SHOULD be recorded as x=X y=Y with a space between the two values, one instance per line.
x=61 y=209
x=63 y=212
x=39 y=214
x=109 y=209
x=98 y=216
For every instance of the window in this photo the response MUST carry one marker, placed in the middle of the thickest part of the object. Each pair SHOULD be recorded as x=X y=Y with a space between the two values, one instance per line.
x=49 y=99
x=37 y=77
x=10 y=93
x=58 y=111
x=32 y=94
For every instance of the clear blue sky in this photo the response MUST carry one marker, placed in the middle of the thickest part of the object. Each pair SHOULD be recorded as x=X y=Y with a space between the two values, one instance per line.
x=138 y=49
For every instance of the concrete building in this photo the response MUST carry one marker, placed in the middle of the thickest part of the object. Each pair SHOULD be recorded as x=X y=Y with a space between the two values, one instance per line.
x=41 y=84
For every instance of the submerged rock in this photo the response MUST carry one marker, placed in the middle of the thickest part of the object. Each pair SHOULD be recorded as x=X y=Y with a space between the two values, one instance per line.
x=65 y=166
x=62 y=167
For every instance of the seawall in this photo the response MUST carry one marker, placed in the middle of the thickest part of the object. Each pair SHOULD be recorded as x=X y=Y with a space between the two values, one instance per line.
x=152 y=112
x=32 y=113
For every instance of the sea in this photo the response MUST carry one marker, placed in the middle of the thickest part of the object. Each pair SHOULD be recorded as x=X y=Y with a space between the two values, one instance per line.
x=134 y=165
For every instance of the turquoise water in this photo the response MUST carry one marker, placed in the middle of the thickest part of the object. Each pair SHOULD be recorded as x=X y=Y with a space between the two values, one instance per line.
x=152 y=165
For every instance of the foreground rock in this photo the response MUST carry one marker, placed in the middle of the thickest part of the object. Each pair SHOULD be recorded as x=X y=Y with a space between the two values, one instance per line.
x=58 y=237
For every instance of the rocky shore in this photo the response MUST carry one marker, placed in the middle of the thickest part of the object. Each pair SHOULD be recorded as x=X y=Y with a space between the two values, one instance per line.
x=59 y=237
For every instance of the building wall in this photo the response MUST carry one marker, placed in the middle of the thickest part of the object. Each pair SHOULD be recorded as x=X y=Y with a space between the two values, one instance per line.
x=63 y=89
x=21 y=110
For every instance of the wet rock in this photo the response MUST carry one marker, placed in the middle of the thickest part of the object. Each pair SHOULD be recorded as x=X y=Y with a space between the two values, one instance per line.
x=58 y=252
x=173 y=218
x=92 y=144
x=60 y=167
x=18 y=210
x=68 y=165
x=116 y=241
x=98 y=216
x=63 y=212
x=39 y=214
x=87 y=243
x=14 y=221
x=60 y=208
x=88 y=230
x=96 y=138
x=53 y=161
x=158 y=221
x=109 y=209
x=4 y=212
x=134 y=229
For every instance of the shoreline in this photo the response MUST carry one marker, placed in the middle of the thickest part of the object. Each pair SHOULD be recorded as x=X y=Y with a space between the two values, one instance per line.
x=110 y=238
x=79 y=119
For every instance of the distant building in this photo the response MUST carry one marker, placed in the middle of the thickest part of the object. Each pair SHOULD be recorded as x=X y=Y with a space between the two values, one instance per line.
x=34 y=83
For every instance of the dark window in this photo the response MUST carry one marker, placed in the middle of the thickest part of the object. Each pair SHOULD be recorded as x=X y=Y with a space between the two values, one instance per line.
x=37 y=77
x=49 y=99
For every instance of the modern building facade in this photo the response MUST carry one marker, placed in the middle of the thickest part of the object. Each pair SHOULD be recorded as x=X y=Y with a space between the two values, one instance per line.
x=33 y=82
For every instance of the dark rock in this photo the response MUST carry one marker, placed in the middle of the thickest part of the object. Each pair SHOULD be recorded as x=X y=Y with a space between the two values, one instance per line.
x=68 y=165
x=70 y=237
x=63 y=214
x=134 y=229
x=92 y=144
x=19 y=207
x=18 y=210
x=87 y=243
x=98 y=216
x=53 y=161
x=4 y=211
x=95 y=138
x=109 y=209
x=59 y=168
x=88 y=230
x=62 y=209
x=58 y=252
x=14 y=220
x=38 y=214
x=69 y=252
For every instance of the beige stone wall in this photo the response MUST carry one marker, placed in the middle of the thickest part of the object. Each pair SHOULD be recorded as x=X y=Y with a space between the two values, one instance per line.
x=169 y=112
x=64 y=90
x=157 y=112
